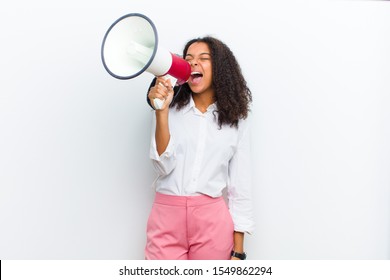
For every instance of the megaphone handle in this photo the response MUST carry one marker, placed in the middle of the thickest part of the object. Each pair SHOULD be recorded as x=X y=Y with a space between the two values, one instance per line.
x=158 y=103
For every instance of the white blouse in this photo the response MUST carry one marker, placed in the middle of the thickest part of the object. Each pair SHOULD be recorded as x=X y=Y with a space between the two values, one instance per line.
x=201 y=158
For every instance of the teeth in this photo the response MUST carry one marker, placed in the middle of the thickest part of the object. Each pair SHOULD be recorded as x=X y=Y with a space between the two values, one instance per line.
x=196 y=75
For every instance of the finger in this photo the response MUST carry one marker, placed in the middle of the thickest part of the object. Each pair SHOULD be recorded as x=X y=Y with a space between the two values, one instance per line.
x=160 y=80
x=163 y=90
x=157 y=95
x=160 y=96
x=168 y=83
x=162 y=86
x=152 y=93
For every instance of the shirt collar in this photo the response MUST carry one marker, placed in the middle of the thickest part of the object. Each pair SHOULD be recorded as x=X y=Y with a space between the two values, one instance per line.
x=191 y=106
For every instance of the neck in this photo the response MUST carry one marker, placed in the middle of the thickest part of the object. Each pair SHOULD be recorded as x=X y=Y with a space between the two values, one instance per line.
x=203 y=101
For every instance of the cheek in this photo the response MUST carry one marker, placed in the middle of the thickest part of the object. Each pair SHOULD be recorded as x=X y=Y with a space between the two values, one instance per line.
x=209 y=77
x=208 y=71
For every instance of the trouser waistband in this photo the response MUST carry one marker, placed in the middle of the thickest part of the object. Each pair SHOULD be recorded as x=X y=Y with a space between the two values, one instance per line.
x=176 y=200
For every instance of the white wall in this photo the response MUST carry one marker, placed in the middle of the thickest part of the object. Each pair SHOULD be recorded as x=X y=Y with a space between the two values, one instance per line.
x=74 y=170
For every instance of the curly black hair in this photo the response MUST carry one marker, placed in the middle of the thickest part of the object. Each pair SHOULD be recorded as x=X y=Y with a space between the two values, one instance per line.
x=232 y=94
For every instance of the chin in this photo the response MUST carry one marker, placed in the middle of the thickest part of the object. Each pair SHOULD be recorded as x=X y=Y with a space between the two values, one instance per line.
x=194 y=89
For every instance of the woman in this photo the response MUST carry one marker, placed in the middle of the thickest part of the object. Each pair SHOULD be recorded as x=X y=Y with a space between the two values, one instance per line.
x=200 y=147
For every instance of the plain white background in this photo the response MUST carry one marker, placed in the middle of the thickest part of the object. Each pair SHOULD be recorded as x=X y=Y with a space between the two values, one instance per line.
x=75 y=177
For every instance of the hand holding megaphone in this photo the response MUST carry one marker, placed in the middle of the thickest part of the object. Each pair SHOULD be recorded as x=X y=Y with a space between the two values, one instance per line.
x=161 y=94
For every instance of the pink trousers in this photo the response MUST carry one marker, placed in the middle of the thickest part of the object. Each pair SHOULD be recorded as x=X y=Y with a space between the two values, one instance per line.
x=189 y=228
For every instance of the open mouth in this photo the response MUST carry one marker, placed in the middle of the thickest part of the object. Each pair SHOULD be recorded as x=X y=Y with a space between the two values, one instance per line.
x=196 y=77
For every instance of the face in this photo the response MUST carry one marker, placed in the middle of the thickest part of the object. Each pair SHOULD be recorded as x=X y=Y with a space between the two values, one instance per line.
x=199 y=57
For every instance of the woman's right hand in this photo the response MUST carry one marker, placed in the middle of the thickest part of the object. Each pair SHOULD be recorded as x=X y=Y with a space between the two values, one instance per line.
x=162 y=90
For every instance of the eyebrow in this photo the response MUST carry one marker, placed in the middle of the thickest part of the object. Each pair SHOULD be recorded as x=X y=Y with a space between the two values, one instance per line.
x=188 y=54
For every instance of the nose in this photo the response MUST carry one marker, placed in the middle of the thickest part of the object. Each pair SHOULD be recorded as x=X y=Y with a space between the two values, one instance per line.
x=193 y=63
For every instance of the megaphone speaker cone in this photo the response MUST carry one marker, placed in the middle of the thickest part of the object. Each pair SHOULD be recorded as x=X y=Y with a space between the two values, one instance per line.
x=130 y=47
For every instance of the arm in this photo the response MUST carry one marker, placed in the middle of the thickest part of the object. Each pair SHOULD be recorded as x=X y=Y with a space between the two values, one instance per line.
x=162 y=134
x=162 y=90
x=162 y=147
x=238 y=239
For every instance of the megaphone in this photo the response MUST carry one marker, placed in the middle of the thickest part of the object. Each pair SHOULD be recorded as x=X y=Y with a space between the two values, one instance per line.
x=130 y=47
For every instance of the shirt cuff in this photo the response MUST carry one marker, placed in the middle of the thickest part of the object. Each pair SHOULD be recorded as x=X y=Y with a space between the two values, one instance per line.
x=165 y=155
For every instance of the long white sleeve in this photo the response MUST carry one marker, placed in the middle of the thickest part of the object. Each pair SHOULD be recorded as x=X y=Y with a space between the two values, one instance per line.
x=240 y=183
x=164 y=163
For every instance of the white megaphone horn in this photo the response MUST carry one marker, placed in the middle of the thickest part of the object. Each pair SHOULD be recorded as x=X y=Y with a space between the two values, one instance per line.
x=130 y=47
